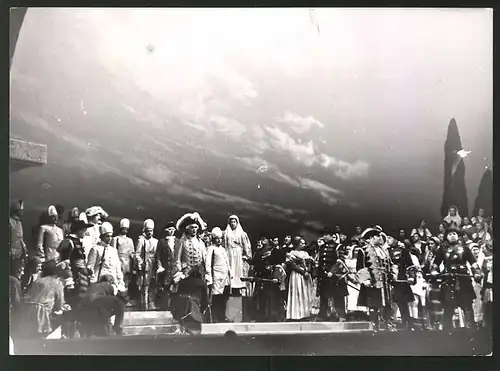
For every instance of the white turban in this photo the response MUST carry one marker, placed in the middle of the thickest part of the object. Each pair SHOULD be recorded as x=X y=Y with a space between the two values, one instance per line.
x=52 y=210
x=149 y=224
x=125 y=223
x=217 y=232
x=106 y=228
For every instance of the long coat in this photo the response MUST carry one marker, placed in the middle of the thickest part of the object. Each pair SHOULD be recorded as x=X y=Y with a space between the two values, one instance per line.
x=218 y=269
x=377 y=261
x=125 y=247
x=49 y=238
x=165 y=259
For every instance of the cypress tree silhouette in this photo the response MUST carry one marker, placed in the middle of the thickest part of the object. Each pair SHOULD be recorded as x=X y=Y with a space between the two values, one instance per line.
x=454 y=192
x=484 y=199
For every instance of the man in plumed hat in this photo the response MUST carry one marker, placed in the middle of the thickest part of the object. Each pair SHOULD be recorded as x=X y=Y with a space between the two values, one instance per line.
x=374 y=273
x=457 y=289
x=165 y=263
x=190 y=250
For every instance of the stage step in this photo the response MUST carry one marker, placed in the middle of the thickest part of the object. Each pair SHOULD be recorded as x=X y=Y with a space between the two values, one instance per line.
x=149 y=330
x=151 y=318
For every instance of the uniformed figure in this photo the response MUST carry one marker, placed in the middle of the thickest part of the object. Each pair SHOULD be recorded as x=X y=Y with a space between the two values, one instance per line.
x=71 y=250
x=103 y=259
x=374 y=270
x=190 y=250
x=267 y=295
x=403 y=294
x=18 y=252
x=456 y=289
x=145 y=258
x=327 y=284
x=486 y=265
x=73 y=216
x=218 y=276
x=125 y=248
x=49 y=236
x=165 y=264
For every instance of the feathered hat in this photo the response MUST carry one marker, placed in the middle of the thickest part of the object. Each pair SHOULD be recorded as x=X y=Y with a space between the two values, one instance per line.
x=96 y=210
x=188 y=219
x=370 y=232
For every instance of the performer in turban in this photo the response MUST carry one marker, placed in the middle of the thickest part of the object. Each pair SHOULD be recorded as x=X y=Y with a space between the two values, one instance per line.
x=239 y=251
x=49 y=236
x=218 y=275
x=95 y=216
x=125 y=247
x=145 y=257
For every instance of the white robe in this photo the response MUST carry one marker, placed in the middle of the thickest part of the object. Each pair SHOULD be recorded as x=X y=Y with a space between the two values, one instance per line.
x=218 y=273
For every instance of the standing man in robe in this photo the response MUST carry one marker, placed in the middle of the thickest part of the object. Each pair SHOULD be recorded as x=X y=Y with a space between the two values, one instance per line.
x=125 y=248
x=237 y=244
x=145 y=256
x=218 y=275
x=18 y=252
x=49 y=237
x=166 y=263
x=103 y=259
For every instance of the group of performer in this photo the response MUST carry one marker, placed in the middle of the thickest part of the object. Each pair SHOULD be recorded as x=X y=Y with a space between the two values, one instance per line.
x=81 y=273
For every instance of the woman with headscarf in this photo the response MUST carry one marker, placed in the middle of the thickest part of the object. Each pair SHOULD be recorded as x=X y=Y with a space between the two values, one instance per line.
x=190 y=300
x=239 y=251
x=299 y=282
x=453 y=219
x=145 y=262
x=190 y=250
x=218 y=275
x=49 y=236
x=165 y=263
x=43 y=300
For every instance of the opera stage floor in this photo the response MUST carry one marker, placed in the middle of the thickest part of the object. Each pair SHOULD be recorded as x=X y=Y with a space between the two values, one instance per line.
x=350 y=342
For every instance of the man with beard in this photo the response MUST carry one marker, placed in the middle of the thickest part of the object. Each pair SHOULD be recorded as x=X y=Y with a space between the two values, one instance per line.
x=456 y=289
x=49 y=236
x=145 y=261
x=18 y=252
x=125 y=248
x=166 y=263
x=356 y=239
x=374 y=267
x=338 y=231
x=419 y=247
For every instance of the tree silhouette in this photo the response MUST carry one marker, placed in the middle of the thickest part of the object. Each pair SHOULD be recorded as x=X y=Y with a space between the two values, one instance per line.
x=455 y=191
x=484 y=199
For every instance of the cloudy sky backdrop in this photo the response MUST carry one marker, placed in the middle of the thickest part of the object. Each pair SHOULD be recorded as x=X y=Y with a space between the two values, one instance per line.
x=290 y=118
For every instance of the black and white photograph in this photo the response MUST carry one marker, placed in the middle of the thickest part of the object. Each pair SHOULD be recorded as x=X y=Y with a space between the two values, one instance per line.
x=251 y=181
